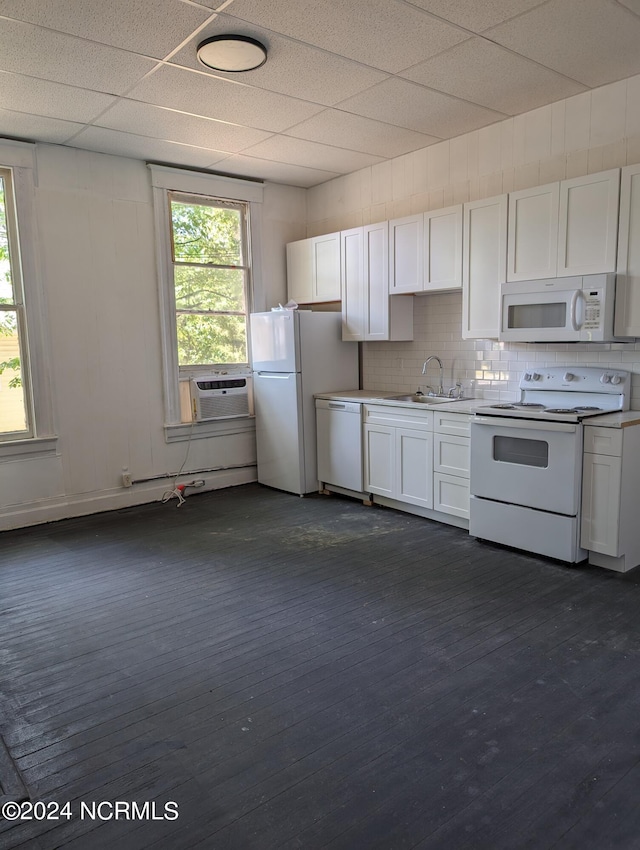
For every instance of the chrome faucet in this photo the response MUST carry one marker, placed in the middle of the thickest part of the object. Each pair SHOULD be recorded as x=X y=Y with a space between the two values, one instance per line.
x=424 y=372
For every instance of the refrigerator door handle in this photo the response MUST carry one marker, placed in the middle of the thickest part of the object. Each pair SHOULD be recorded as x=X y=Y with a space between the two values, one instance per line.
x=281 y=375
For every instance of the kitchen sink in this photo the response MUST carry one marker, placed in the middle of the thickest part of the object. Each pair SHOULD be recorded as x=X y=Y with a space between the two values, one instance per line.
x=423 y=399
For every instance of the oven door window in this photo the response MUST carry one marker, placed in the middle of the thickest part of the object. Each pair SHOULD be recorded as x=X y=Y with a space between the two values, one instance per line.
x=522 y=451
x=534 y=316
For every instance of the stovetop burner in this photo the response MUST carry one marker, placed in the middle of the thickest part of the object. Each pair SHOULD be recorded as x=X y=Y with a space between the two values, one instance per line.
x=561 y=410
x=587 y=408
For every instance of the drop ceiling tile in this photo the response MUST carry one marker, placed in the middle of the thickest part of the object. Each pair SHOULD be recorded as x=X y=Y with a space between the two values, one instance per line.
x=151 y=27
x=311 y=154
x=144 y=120
x=40 y=97
x=222 y=99
x=292 y=68
x=142 y=147
x=474 y=15
x=491 y=76
x=407 y=104
x=36 y=128
x=393 y=36
x=275 y=172
x=592 y=41
x=360 y=134
x=29 y=50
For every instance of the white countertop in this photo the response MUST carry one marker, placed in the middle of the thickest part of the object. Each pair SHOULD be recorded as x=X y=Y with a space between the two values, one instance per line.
x=615 y=420
x=467 y=405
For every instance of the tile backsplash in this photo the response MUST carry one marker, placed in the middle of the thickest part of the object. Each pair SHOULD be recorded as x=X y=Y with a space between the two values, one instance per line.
x=485 y=368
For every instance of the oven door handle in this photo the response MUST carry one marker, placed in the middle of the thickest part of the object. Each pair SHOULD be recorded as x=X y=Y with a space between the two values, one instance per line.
x=528 y=424
x=574 y=310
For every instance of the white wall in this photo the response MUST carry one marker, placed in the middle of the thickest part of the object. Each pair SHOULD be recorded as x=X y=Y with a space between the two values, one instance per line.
x=584 y=134
x=97 y=251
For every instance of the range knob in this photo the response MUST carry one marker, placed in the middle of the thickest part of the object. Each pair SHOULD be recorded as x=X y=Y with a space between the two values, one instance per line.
x=616 y=379
x=605 y=378
x=568 y=376
x=536 y=376
x=527 y=376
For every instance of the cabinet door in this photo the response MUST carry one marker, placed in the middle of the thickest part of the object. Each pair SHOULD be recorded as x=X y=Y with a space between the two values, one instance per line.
x=300 y=271
x=414 y=467
x=376 y=280
x=627 y=321
x=532 y=250
x=406 y=258
x=443 y=249
x=484 y=266
x=601 y=481
x=379 y=460
x=588 y=234
x=326 y=267
x=354 y=297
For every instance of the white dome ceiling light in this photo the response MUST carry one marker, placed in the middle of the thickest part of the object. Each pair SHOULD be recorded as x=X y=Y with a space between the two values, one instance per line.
x=232 y=53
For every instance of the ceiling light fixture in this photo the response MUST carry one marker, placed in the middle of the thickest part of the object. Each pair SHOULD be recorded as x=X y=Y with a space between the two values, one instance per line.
x=232 y=53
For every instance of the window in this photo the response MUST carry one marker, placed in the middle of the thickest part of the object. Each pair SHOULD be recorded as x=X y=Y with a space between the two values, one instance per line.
x=15 y=416
x=208 y=252
x=210 y=277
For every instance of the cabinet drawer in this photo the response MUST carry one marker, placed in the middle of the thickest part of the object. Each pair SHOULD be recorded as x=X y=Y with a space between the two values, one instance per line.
x=458 y=424
x=451 y=455
x=398 y=417
x=603 y=441
x=451 y=495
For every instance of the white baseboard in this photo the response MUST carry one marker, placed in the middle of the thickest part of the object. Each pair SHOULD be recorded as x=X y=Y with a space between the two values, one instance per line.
x=66 y=507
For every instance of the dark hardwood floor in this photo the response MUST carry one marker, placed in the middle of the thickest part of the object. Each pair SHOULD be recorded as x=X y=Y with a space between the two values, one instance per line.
x=311 y=673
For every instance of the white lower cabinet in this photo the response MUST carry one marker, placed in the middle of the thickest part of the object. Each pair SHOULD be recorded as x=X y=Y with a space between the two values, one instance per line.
x=451 y=461
x=418 y=457
x=610 y=492
x=398 y=454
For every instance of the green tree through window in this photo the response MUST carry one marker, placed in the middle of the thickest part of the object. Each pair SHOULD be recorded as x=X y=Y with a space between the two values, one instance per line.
x=210 y=273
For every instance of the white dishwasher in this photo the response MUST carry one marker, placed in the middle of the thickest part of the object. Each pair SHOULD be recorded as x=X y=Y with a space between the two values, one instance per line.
x=339 y=435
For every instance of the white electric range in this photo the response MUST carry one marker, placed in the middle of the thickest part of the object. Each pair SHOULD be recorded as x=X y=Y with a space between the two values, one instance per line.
x=526 y=458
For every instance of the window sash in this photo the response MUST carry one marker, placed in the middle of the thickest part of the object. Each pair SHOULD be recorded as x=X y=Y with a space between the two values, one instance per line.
x=17 y=307
x=176 y=263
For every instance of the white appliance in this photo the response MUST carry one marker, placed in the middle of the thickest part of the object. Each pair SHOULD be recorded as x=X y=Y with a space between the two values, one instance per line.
x=340 y=443
x=526 y=459
x=219 y=397
x=295 y=354
x=566 y=309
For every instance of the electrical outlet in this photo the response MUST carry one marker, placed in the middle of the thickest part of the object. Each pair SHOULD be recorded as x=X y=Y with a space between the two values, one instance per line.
x=126 y=479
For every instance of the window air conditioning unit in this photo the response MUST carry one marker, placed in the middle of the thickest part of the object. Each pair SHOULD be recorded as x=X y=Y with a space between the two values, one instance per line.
x=216 y=397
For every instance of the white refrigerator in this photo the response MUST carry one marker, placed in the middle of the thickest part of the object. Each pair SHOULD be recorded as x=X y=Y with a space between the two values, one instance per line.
x=295 y=354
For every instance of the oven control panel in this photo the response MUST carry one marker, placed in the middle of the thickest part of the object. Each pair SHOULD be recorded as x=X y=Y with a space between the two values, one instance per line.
x=577 y=379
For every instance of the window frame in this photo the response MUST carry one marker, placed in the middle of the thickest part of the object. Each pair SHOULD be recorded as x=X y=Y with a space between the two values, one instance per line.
x=20 y=159
x=245 y=217
x=164 y=180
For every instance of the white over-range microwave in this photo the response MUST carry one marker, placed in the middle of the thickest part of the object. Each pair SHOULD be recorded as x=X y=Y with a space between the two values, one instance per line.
x=565 y=309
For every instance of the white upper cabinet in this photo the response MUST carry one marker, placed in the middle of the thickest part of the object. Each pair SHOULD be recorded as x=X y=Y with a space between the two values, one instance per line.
x=627 y=321
x=443 y=249
x=533 y=233
x=313 y=269
x=566 y=228
x=406 y=254
x=300 y=271
x=588 y=232
x=484 y=266
x=354 y=298
x=326 y=267
x=368 y=312
x=425 y=252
